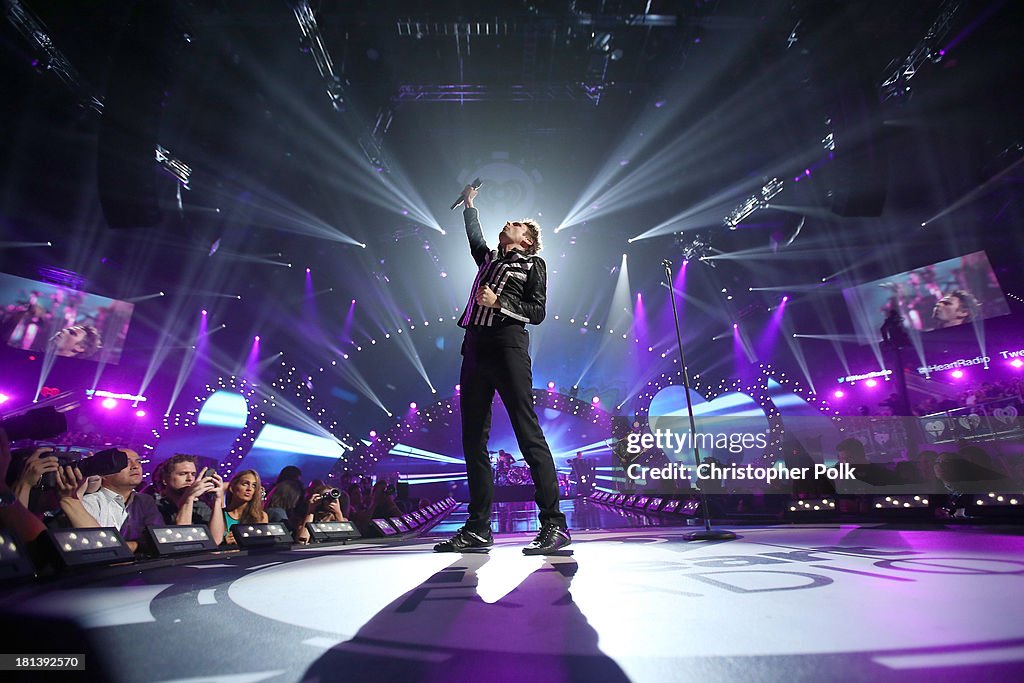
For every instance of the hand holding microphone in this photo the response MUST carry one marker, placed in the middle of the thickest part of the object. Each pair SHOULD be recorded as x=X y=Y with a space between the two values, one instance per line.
x=468 y=193
x=486 y=297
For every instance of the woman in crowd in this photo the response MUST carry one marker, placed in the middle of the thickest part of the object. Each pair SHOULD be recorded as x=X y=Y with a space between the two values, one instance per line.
x=322 y=506
x=243 y=503
x=283 y=499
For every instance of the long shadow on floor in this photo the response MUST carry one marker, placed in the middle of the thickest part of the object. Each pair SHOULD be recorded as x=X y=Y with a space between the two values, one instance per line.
x=443 y=630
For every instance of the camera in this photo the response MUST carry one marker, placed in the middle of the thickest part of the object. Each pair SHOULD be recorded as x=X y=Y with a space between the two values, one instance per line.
x=38 y=423
x=327 y=497
x=110 y=461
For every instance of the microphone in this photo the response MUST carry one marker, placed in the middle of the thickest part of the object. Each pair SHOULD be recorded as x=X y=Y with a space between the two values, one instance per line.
x=458 y=202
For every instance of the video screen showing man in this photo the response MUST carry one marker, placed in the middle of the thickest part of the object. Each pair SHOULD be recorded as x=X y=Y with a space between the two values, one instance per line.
x=940 y=295
x=956 y=308
x=43 y=317
x=78 y=340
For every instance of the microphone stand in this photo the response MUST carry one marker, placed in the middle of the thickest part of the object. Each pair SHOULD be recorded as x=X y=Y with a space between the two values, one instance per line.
x=708 y=534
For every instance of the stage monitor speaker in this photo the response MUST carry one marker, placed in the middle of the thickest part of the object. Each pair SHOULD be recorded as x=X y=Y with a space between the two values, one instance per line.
x=259 y=536
x=179 y=539
x=325 y=532
x=100 y=545
x=383 y=527
x=14 y=561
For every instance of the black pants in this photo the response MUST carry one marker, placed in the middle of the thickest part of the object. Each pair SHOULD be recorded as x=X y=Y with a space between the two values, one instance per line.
x=500 y=361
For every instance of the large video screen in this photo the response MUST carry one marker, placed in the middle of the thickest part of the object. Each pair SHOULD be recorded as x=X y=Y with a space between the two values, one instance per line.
x=37 y=316
x=949 y=293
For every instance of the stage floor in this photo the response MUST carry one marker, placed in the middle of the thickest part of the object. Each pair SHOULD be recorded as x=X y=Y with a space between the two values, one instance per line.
x=793 y=603
x=580 y=513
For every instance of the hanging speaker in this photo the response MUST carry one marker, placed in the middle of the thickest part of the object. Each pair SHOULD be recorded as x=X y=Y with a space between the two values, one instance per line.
x=140 y=74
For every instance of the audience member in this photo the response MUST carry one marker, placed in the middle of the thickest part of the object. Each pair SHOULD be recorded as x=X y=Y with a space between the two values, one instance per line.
x=243 y=504
x=116 y=504
x=283 y=500
x=179 y=489
x=14 y=516
x=323 y=507
x=289 y=473
x=32 y=477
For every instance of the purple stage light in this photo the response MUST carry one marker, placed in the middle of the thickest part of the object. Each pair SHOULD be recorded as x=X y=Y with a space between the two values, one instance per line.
x=412 y=406
x=458 y=388
x=551 y=385
x=785 y=299
x=4 y=398
x=373 y=433
x=735 y=325
x=109 y=403
x=872 y=383
x=444 y=274
x=140 y=413
x=595 y=400
x=256 y=338
x=1017 y=363
x=957 y=374
x=838 y=393
x=204 y=311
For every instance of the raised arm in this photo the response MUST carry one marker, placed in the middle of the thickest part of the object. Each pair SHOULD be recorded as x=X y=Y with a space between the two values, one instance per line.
x=477 y=244
x=533 y=306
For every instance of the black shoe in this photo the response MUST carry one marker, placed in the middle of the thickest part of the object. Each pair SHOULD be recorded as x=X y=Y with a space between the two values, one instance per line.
x=465 y=540
x=550 y=540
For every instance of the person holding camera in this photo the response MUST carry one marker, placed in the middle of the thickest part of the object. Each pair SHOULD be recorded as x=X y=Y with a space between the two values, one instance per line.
x=116 y=504
x=33 y=479
x=325 y=504
x=179 y=492
x=13 y=515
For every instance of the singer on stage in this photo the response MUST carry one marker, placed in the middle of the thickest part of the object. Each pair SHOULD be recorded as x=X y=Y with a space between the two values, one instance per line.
x=510 y=291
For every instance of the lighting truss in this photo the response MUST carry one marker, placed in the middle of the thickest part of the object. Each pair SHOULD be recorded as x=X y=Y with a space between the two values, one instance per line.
x=55 y=62
x=53 y=59
x=697 y=249
x=465 y=92
x=758 y=200
x=895 y=83
x=312 y=40
x=414 y=28
x=175 y=167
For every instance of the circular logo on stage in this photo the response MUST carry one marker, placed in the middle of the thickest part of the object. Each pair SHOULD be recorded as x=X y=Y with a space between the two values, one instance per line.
x=510 y=191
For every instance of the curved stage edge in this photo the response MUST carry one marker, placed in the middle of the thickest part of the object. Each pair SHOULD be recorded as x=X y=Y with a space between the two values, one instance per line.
x=786 y=602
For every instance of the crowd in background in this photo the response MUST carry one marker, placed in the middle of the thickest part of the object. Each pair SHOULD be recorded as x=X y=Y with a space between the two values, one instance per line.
x=42 y=490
